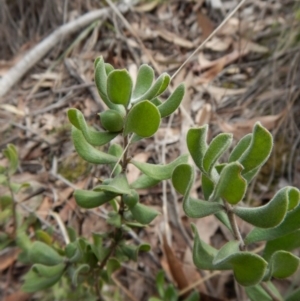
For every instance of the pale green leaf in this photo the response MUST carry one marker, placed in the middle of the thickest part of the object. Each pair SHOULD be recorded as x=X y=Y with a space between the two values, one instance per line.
x=118 y=185
x=283 y=264
x=156 y=89
x=131 y=199
x=44 y=237
x=10 y=152
x=294 y=197
x=229 y=249
x=240 y=148
x=33 y=282
x=88 y=152
x=207 y=186
x=173 y=102
x=93 y=137
x=119 y=87
x=287 y=242
x=143 y=182
x=259 y=149
x=197 y=146
x=215 y=149
x=143 y=119
x=41 y=253
x=231 y=185
x=248 y=268
x=101 y=82
x=183 y=180
x=144 y=81
x=159 y=171
x=203 y=253
x=269 y=215
x=114 y=219
x=256 y=293
x=92 y=199
x=143 y=214
x=290 y=224
x=109 y=68
x=48 y=271
x=112 y=121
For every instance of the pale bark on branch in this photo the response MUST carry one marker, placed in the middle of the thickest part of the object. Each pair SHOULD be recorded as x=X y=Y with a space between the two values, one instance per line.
x=34 y=55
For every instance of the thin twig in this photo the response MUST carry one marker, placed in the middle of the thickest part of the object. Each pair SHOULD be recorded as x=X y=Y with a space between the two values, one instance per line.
x=61 y=226
x=209 y=37
x=122 y=287
x=265 y=286
x=122 y=156
x=130 y=28
x=236 y=232
x=198 y=282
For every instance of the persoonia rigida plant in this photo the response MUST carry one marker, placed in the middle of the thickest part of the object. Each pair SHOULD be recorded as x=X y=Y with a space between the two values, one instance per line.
x=224 y=187
x=134 y=112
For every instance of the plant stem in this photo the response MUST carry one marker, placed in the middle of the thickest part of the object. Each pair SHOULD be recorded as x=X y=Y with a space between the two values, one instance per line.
x=236 y=232
x=124 y=164
x=124 y=159
x=274 y=297
x=14 y=207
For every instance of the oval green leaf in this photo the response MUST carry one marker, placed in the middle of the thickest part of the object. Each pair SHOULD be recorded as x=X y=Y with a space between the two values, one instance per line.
x=172 y=103
x=158 y=171
x=287 y=242
x=93 y=137
x=91 y=199
x=203 y=253
x=33 y=282
x=158 y=88
x=240 y=148
x=48 y=271
x=143 y=182
x=214 y=151
x=43 y=254
x=119 y=87
x=269 y=215
x=112 y=121
x=118 y=185
x=290 y=224
x=231 y=185
x=10 y=152
x=143 y=119
x=144 y=81
x=143 y=214
x=88 y=152
x=131 y=199
x=259 y=149
x=197 y=146
x=101 y=82
x=283 y=264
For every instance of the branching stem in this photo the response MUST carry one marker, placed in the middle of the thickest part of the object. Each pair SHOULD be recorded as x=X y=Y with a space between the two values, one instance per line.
x=234 y=226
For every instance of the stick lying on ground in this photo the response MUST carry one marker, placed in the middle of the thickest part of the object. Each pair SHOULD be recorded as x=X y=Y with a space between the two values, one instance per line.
x=39 y=51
